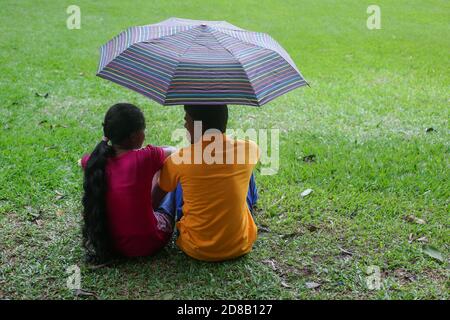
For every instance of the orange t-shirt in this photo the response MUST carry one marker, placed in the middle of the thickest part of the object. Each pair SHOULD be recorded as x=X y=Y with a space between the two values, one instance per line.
x=216 y=223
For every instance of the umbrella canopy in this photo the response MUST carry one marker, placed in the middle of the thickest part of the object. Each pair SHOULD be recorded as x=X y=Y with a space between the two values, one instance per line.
x=181 y=61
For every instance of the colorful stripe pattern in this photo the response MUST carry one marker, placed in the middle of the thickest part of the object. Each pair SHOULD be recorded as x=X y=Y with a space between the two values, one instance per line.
x=180 y=61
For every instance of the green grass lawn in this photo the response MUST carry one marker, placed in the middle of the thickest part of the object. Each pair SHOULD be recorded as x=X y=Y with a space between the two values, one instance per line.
x=373 y=95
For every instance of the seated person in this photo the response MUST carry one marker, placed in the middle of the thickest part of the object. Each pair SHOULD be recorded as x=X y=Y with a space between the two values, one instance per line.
x=212 y=202
x=118 y=219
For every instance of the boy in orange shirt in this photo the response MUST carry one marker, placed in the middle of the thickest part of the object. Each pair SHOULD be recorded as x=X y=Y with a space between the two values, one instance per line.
x=211 y=188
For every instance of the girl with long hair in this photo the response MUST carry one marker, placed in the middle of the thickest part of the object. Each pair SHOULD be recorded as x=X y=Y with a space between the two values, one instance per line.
x=118 y=219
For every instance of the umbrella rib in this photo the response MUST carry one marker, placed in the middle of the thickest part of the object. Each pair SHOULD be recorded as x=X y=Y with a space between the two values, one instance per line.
x=179 y=60
x=118 y=41
x=280 y=48
x=231 y=53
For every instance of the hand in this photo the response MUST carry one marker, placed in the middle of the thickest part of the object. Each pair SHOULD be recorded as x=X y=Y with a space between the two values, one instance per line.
x=168 y=150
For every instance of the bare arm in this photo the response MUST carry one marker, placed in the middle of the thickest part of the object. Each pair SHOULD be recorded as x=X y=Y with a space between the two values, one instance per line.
x=157 y=193
x=168 y=150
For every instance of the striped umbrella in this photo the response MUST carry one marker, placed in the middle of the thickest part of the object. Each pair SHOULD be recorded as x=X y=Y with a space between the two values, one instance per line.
x=181 y=61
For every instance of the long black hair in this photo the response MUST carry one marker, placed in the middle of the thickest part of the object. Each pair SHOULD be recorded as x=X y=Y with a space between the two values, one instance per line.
x=120 y=122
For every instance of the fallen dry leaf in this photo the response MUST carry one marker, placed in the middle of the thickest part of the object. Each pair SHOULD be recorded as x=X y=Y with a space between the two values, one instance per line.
x=59 y=213
x=411 y=239
x=37 y=94
x=345 y=251
x=59 y=195
x=263 y=229
x=81 y=292
x=305 y=193
x=414 y=219
x=271 y=263
x=312 y=285
x=423 y=239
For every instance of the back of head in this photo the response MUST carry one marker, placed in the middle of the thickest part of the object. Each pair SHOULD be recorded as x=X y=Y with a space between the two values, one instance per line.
x=211 y=116
x=121 y=120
